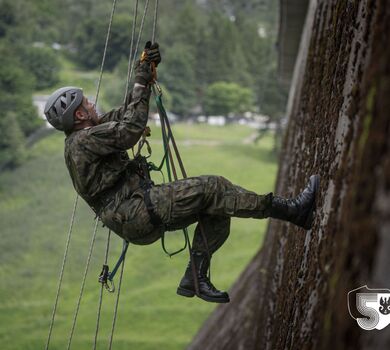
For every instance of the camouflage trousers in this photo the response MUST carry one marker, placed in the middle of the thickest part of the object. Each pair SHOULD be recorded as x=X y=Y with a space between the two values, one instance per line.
x=209 y=200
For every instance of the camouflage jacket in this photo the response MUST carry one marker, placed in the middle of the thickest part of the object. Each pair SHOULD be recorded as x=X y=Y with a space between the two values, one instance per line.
x=96 y=156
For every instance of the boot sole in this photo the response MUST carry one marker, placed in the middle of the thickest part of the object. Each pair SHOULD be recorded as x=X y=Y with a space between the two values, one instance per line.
x=316 y=184
x=189 y=294
x=185 y=292
x=214 y=300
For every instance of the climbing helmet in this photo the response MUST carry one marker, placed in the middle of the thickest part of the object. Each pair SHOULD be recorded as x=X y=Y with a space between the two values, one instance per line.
x=61 y=105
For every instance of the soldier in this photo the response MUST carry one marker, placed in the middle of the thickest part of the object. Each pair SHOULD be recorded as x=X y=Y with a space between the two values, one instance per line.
x=140 y=212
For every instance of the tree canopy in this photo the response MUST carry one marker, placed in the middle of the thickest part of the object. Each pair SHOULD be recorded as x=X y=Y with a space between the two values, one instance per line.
x=218 y=56
x=222 y=98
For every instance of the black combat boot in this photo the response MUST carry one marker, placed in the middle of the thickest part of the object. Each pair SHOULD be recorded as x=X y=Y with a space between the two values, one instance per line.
x=206 y=289
x=297 y=210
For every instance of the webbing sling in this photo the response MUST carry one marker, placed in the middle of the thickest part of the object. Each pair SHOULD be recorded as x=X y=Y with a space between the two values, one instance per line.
x=168 y=136
x=107 y=276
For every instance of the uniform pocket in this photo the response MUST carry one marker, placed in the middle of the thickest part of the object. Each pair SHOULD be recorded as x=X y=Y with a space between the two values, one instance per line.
x=161 y=200
x=247 y=201
x=187 y=198
x=136 y=219
x=112 y=220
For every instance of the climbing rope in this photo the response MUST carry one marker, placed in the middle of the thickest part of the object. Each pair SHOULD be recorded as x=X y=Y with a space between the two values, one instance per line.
x=62 y=272
x=138 y=40
x=101 y=293
x=117 y=298
x=97 y=218
x=105 y=273
x=129 y=73
x=131 y=61
x=167 y=136
x=155 y=21
x=125 y=244
x=131 y=50
x=105 y=49
x=76 y=202
x=83 y=284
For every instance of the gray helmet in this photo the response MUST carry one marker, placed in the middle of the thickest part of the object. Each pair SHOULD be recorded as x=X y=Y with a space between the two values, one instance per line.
x=61 y=105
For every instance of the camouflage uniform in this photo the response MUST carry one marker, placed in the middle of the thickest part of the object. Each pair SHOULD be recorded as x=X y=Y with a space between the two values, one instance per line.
x=107 y=179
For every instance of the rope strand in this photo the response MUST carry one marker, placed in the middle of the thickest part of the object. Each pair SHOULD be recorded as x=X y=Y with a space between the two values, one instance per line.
x=105 y=50
x=101 y=293
x=138 y=39
x=117 y=302
x=155 y=22
x=131 y=65
x=131 y=49
x=83 y=284
x=62 y=271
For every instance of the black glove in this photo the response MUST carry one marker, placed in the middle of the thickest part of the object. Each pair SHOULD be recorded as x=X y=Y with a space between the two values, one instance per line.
x=143 y=73
x=152 y=53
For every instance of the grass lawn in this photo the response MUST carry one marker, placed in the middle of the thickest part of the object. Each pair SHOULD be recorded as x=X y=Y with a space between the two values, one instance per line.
x=35 y=206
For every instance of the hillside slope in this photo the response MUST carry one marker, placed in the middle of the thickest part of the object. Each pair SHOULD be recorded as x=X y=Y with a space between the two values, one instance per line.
x=293 y=295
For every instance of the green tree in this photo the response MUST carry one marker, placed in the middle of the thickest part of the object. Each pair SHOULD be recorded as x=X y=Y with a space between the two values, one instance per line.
x=16 y=85
x=178 y=75
x=221 y=56
x=7 y=17
x=184 y=30
x=16 y=20
x=223 y=98
x=43 y=63
x=12 y=151
x=17 y=114
x=273 y=94
x=90 y=39
x=114 y=90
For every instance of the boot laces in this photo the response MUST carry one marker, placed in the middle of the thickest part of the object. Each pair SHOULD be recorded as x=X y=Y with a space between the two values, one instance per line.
x=210 y=285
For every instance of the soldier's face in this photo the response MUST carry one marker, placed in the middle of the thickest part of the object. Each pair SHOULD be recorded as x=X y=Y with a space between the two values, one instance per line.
x=87 y=111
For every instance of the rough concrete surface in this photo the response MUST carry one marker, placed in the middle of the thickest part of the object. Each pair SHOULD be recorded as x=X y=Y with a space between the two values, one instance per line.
x=293 y=295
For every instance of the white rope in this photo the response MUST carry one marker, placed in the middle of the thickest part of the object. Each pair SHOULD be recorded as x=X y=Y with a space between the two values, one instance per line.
x=129 y=76
x=131 y=62
x=101 y=293
x=155 y=22
x=131 y=50
x=105 y=50
x=83 y=284
x=117 y=303
x=77 y=196
x=62 y=271
x=138 y=40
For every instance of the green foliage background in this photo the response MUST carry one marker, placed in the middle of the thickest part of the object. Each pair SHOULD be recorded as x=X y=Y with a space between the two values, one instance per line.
x=212 y=56
x=203 y=43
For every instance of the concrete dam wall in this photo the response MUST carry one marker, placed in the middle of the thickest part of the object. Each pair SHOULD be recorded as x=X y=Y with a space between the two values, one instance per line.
x=293 y=294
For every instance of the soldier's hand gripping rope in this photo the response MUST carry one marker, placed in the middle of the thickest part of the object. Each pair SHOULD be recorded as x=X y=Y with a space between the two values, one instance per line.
x=151 y=54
